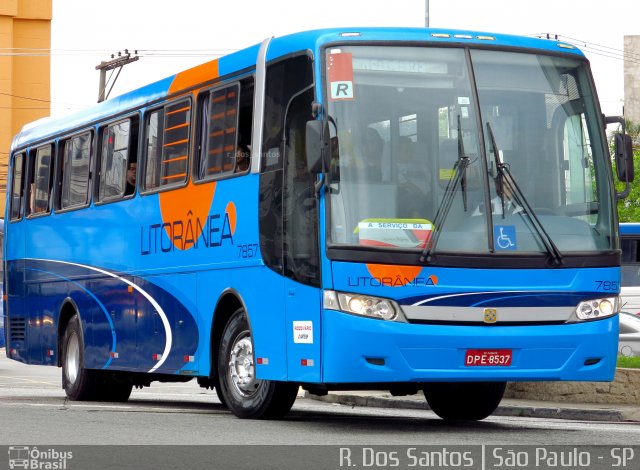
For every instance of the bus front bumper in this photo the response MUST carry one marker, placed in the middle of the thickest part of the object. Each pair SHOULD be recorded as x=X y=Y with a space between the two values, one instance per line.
x=361 y=350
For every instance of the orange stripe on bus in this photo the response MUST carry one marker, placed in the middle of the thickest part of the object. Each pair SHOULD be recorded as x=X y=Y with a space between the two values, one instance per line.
x=177 y=142
x=228 y=130
x=175 y=111
x=181 y=175
x=176 y=127
x=194 y=76
x=176 y=159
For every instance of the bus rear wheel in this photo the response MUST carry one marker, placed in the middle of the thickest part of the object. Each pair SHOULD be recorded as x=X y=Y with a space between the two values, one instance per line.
x=244 y=394
x=464 y=401
x=78 y=383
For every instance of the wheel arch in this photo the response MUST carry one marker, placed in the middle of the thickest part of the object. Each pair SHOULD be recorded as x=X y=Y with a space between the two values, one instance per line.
x=67 y=310
x=228 y=303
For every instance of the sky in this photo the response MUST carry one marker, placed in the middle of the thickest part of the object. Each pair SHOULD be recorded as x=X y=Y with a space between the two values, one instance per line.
x=169 y=39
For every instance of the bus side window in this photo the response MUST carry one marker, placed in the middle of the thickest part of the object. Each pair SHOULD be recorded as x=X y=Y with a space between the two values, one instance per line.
x=219 y=132
x=167 y=153
x=40 y=181
x=74 y=180
x=117 y=155
x=17 y=190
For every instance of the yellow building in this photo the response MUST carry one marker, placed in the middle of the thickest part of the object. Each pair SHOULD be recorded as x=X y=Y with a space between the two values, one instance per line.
x=25 y=25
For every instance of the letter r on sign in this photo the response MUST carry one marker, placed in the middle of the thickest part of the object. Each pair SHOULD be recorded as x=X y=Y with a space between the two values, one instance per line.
x=342 y=90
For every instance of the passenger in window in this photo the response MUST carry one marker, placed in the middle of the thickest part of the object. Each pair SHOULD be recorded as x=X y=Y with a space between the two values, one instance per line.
x=132 y=169
x=242 y=159
x=503 y=204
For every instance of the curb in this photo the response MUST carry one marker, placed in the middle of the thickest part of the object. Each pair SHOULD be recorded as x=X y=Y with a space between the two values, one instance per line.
x=549 y=411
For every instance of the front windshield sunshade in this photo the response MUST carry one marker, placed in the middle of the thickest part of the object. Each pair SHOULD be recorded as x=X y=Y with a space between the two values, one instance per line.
x=409 y=172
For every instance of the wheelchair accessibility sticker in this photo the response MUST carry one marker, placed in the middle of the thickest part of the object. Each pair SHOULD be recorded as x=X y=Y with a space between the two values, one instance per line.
x=504 y=237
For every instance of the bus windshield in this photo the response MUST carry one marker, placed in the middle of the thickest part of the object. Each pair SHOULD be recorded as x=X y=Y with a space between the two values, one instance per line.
x=489 y=151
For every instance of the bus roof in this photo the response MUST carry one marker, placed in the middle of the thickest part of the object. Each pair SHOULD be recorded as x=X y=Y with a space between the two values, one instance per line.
x=278 y=47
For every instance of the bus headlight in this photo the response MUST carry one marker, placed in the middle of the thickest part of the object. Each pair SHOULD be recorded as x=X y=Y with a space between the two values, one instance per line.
x=597 y=308
x=364 y=305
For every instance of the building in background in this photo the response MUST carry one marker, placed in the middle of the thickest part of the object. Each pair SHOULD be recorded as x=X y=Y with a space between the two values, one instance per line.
x=25 y=70
x=632 y=78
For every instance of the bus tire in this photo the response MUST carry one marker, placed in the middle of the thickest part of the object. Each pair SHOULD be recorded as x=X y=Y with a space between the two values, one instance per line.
x=464 y=401
x=78 y=383
x=113 y=390
x=244 y=394
x=218 y=390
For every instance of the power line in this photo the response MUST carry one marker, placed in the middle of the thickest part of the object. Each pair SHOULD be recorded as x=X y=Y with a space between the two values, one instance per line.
x=15 y=107
x=24 y=97
x=114 y=63
x=595 y=49
x=28 y=52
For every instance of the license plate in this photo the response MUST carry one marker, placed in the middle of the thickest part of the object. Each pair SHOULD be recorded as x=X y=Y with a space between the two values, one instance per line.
x=488 y=357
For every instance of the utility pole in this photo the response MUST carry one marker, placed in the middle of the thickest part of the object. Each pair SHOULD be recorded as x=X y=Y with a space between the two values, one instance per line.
x=114 y=63
x=426 y=13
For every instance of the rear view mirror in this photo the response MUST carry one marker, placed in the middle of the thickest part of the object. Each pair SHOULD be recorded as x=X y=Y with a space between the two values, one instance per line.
x=624 y=157
x=317 y=143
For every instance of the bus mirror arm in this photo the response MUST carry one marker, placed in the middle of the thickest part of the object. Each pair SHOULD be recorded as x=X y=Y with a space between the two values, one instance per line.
x=317 y=145
x=623 y=155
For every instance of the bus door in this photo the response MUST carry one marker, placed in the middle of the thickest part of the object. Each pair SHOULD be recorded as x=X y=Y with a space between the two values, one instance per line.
x=301 y=255
x=289 y=213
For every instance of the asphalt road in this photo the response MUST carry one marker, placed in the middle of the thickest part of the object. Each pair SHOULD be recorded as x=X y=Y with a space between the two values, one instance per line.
x=33 y=410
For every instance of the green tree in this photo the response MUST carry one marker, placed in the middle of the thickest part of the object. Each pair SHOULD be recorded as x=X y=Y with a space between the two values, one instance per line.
x=629 y=207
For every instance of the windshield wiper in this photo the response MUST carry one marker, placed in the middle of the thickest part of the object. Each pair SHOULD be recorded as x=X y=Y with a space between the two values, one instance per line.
x=463 y=168
x=460 y=176
x=504 y=179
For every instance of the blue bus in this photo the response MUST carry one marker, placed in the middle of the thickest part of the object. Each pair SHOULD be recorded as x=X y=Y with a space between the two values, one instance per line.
x=412 y=210
x=630 y=282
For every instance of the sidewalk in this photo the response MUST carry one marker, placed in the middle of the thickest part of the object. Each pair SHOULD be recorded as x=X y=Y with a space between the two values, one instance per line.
x=508 y=407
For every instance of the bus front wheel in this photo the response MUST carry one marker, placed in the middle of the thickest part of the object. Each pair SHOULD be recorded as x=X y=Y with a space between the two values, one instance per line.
x=464 y=401
x=78 y=383
x=244 y=394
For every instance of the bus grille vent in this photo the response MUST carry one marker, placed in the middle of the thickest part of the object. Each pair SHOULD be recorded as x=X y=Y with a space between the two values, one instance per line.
x=17 y=329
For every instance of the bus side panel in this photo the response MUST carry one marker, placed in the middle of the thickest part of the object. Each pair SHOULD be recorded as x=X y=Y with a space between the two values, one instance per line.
x=303 y=332
x=173 y=325
x=16 y=315
x=262 y=291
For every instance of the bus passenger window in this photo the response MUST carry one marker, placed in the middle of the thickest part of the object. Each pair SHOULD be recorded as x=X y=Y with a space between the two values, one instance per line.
x=167 y=136
x=16 y=187
x=40 y=186
x=75 y=171
x=118 y=157
x=219 y=134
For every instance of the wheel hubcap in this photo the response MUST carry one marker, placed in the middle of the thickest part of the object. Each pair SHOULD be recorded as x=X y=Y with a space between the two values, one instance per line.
x=72 y=358
x=241 y=366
